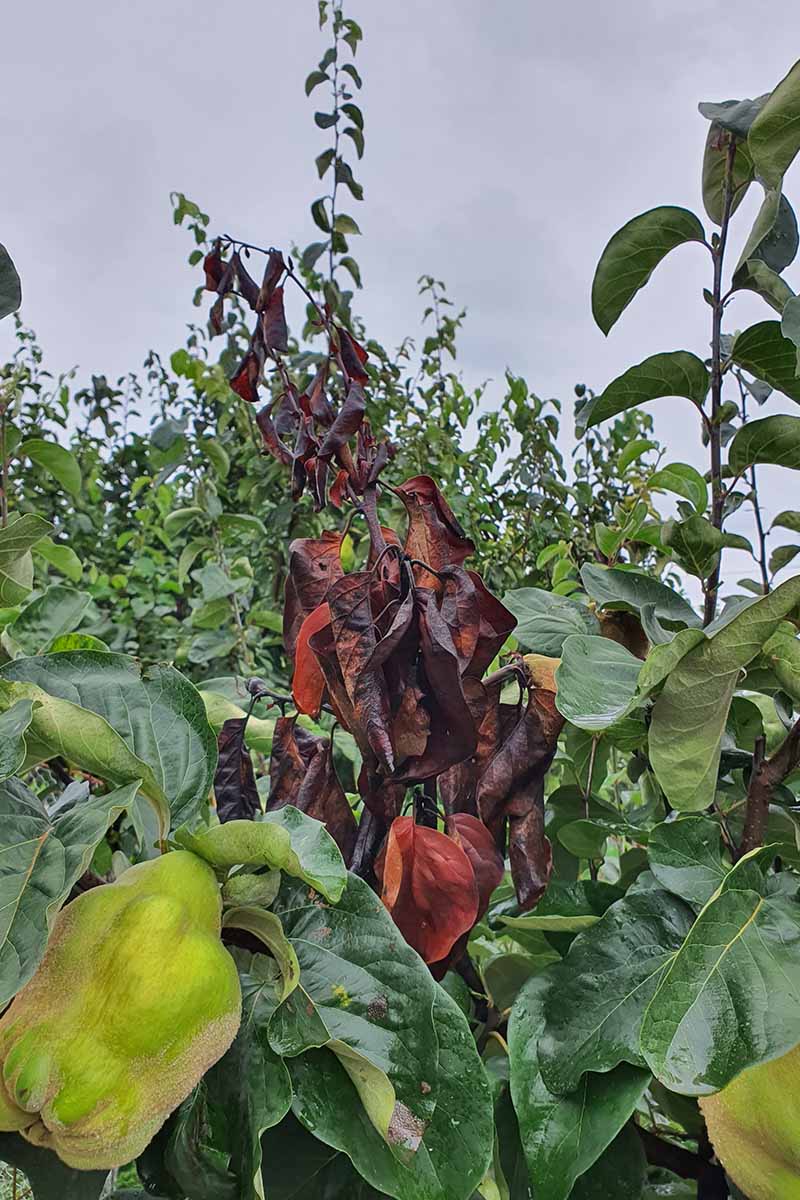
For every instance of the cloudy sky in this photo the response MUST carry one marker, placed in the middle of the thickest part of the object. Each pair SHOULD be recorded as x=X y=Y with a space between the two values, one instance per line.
x=505 y=144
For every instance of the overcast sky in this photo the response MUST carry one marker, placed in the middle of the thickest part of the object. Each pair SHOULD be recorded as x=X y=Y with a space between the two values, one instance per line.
x=505 y=143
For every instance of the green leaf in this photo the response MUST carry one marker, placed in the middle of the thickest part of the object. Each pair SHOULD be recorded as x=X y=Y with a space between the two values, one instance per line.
x=565 y=907
x=345 y=224
x=244 y=523
x=286 y=839
x=675 y=373
x=267 y=928
x=314 y=80
x=684 y=481
x=602 y=988
x=766 y=353
x=714 y=173
x=790 y=321
x=695 y=543
x=689 y=716
x=787 y=519
x=13 y=724
x=614 y=588
x=320 y=216
x=545 y=619
x=10 y=286
x=56 y=611
x=632 y=255
x=596 y=680
x=121 y=721
x=16 y=564
x=731 y=997
x=62 y=557
x=734 y=116
x=75 y=641
x=781 y=557
x=55 y=459
x=620 y=1171
x=352 y=266
x=663 y=659
x=783 y=654
x=774 y=439
x=250 y=1083
x=181 y=518
x=633 y=451
x=774 y=136
x=756 y=276
x=686 y=858
x=217 y=455
x=42 y=858
x=563 y=1135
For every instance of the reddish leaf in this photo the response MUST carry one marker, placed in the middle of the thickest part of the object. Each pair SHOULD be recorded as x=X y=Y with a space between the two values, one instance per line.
x=461 y=610
x=302 y=773
x=428 y=887
x=318 y=403
x=273 y=323
x=338 y=489
x=247 y=285
x=434 y=535
x=235 y=788
x=478 y=844
x=214 y=268
x=529 y=850
x=247 y=376
x=308 y=682
x=314 y=564
x=496 y=624
x=345 y=424
x=355 y=637
x=304 y=452
x=353 y=357
x=272 y=273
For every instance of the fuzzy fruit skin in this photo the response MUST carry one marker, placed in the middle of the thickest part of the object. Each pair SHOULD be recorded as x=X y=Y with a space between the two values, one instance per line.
x=135 y=998
x=754 y=1126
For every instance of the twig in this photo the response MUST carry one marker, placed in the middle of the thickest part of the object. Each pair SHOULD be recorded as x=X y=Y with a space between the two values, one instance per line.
x=767 y=774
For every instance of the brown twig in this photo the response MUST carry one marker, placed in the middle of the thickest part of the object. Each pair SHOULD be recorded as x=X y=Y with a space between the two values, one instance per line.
x=767 y=774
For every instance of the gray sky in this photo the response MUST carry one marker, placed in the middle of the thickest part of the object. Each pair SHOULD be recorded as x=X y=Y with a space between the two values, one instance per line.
x=505 y=143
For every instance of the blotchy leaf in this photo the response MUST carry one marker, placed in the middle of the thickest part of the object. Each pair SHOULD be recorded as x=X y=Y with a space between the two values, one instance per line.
x=632 y=255
x=602 y=988
x=41 y=860
x=689 y=716
x=429 y=888
x=562 y=1135
x=434 y=535
x=314 y=564
x=235 y=788
x=675 y=373
x=731 y=997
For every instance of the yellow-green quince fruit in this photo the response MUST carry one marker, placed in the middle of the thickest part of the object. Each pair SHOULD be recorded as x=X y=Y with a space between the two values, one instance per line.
x=135 y=998
x=754 y=1126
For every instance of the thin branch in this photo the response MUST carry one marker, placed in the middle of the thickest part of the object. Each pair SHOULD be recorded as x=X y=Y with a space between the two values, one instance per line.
x=767 y=774
x=761 y=558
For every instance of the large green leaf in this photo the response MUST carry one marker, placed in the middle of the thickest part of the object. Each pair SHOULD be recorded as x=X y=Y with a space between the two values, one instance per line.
x=790 y=321
x=766 y=353
x=695 y=543
x=689 y=716
x=564 y=908
x=731 y=997
x=16 y=563
x=545 y=619
x=632 y=255
x=448 y=1155
x=611 y=587
x=602 y=988
x=686 y=858
x=562 y=1135
x=774 y=439
x=155 y=713
x=10 y=286
x=56 y=611
x=57 y=460
x=756 y=276
x=714 y=172
x=42 y=857
x=597 y=680
x=675 y=373
x=620 y=1171
x=774 y=136
x=286 y=839
x=62 y=557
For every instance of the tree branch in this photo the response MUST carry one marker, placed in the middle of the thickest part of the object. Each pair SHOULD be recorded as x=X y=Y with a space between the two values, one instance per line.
x=767 y=774
x=686 y=1164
